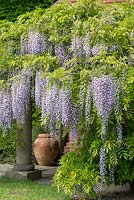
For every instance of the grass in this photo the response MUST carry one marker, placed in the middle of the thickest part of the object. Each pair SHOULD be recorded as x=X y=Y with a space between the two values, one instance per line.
x=27 y=190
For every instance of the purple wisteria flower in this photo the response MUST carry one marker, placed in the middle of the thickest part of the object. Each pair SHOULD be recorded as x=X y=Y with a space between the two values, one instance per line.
x=40 y=84
x=57 y=105
x=112 y=48
x=21 y=96
x=62 y=52
x=77 y=46
x=102 y=164
x=103 y=95
x=86 y=45
x=97 y=48
x=66 y=107
x=33 y=43
x=50 y=106
x=87 y=107
x=5 y=109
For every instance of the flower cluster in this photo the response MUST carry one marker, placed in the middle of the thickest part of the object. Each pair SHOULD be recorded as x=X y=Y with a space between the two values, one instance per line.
x=97 y=48
x=103 y=92
x=57 y=106
x=80 y=46
x=87 y=107
x=112 y=48
x=5 y=110
x=50 y=107
x=40 y=84
x=86 y=45
x=77 y=46
x=102 y=164
x=21 y=95
x=62 y=52
x=34 y=43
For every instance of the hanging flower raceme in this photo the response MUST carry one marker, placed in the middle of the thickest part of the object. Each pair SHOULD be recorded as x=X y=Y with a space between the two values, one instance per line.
x=66 y=107
x=96 y=49
x=5 y=109
x=69 y=115
x=77 y=46
x=102 y=164
x=40 y=84
x=50 y=107
x=103 y=92
x=21 y=96
x=62 y=52
x=105 y=95
x=33 y=43
x=87 y=107
x=57 y=106
x=86 y=45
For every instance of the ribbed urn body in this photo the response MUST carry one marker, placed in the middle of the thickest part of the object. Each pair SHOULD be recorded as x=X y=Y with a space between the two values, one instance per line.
x=46 y=149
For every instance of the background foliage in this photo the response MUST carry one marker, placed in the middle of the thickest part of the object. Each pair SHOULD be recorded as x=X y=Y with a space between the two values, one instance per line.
x=11 y=9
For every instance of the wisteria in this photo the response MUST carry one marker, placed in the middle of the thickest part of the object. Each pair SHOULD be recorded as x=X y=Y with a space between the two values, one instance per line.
x=5 y=109
x=33 y=43
x=57 y=106
x=21 y=94
x=103 y=92
x=112 y=48
x=87 y=107
x=24 y=45
x=86 y=45
x=40 y=84
x=102 y=164
x=103 y=95
x=97 y=48
x=111 y=174
x=52 y=107
x=62 y=52
x=77 y=46
x=66 y=107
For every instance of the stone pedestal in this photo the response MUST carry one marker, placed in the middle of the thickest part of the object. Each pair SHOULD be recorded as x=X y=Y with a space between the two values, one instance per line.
x=24 y=143
x=25 y=175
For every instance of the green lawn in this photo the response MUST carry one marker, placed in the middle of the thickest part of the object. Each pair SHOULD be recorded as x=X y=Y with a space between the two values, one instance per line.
x=27 y=190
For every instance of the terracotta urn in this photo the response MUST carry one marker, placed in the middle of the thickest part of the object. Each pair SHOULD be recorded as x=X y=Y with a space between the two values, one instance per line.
x=46 y=150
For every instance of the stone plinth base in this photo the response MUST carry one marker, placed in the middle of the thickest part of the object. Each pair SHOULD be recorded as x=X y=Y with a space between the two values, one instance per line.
x=25 y=175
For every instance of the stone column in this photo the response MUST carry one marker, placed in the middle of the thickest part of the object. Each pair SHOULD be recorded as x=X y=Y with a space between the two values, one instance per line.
x=24 y=144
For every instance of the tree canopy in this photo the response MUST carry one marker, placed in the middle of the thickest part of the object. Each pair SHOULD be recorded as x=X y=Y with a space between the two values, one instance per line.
x=11 y=9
